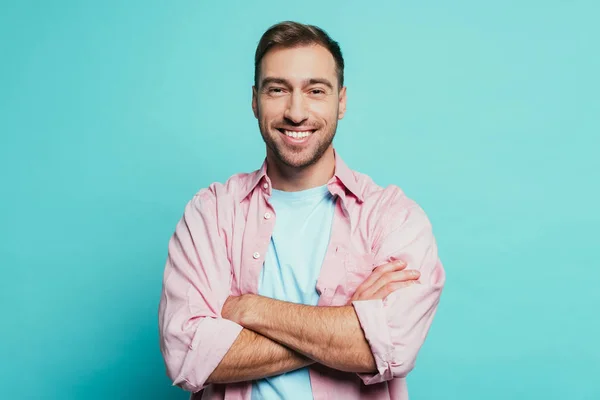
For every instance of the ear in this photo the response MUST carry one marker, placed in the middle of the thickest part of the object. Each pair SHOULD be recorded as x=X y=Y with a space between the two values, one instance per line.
x=255 y=102
x=342 y=103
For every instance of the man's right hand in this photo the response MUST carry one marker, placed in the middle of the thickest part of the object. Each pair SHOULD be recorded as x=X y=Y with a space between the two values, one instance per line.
x=384 y=280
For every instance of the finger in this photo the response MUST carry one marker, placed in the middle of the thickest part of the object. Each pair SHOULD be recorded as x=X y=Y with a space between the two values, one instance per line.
x=391 y=277
x=396 y=276
x=397 y=265
x=377 y=273
x=391 y=287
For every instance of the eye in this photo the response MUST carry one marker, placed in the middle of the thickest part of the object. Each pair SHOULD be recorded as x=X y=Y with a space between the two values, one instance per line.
x=317 y=92
x=275 y=90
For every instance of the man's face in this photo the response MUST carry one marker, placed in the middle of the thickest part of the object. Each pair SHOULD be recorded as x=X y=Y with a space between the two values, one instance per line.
x=298 y=103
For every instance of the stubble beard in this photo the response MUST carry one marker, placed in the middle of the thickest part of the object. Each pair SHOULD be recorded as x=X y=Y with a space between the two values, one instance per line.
x=299 y=157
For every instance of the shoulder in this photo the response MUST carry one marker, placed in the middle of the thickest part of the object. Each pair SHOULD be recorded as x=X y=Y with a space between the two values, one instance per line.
x=385 y=199
x=232 y=188
x=221 y=195
x=391 y=207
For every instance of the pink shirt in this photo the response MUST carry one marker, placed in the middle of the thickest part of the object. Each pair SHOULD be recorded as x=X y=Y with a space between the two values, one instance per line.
x=218 y=250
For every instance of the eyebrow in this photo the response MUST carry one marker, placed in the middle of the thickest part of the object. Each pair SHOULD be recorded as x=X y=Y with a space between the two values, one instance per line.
x=306 y=82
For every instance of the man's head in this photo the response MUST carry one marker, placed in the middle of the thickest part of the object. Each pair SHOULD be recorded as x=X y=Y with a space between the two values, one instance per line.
x=298 y=94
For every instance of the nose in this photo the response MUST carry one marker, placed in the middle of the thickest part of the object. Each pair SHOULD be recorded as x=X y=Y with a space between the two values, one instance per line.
x=296 y=110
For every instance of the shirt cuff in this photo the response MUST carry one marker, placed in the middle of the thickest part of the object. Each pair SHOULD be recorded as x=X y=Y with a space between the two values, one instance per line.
x=213 y=339
x=373 y=320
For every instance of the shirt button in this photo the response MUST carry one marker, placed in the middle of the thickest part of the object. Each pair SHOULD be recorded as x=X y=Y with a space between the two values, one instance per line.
x=265 y=185
x=267 y=215
x=256 y=255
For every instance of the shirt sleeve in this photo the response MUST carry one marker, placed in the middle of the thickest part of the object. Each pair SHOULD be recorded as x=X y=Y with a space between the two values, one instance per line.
x=194 y=337
x=396 y=326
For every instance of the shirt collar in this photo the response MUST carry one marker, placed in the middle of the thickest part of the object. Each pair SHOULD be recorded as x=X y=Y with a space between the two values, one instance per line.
x=254 y=179
x=346 y=177
x=343 y=174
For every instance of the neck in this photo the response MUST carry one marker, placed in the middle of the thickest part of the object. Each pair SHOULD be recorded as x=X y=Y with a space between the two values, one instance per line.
x=290 y=179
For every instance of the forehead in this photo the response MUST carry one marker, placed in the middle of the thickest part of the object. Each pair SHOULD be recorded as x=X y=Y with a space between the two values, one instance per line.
x=299 y=63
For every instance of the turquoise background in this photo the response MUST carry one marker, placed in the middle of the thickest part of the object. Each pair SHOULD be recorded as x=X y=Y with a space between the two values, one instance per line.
x=114 y=113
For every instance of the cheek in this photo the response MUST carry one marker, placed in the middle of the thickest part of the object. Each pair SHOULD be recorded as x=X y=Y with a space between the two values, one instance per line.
x=325 y=110
x=270 y=110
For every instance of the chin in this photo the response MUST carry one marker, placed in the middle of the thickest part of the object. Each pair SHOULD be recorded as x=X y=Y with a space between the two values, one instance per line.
x=302 y=159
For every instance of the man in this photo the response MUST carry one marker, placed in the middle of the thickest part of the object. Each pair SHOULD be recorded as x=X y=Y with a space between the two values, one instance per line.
x=303 y=279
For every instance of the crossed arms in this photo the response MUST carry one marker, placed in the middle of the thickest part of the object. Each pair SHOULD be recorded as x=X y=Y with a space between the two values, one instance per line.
x=208 y=336
x=279 y=336
x=302 y=342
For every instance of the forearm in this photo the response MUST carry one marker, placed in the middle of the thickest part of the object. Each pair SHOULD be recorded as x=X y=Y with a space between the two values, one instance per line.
x=329 y=335
x=253 y=356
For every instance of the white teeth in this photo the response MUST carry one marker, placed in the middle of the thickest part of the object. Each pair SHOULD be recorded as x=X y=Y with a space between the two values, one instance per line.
x=297 y=135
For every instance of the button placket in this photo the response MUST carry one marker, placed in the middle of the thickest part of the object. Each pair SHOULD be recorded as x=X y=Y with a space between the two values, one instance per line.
x=268 y=219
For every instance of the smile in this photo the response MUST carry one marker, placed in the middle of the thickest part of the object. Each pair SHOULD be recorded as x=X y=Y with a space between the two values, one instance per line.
x=296 y=134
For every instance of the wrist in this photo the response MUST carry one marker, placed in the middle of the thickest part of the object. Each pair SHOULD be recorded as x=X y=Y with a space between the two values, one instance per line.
x=247 y=310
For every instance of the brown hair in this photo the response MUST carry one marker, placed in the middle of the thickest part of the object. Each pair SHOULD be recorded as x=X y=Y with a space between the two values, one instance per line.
x=292 y=34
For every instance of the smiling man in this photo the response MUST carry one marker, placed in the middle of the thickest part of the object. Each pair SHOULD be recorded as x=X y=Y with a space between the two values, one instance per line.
x=303 y=279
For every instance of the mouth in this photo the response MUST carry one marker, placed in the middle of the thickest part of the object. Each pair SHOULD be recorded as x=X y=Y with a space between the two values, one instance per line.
x=298 y=135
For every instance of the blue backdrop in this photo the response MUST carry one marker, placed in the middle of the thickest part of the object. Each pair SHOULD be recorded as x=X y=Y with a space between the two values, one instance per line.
x=113 y=114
